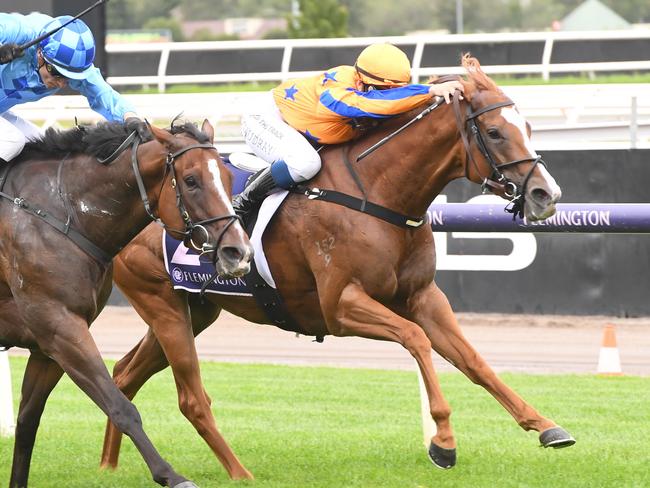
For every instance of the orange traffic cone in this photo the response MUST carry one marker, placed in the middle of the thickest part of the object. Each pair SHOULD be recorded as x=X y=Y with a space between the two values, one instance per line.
x=609 y=361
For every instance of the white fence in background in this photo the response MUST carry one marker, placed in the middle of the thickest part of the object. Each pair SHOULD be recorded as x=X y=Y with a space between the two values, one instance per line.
x=562 y=116
x=7 y=423
x=543 y=67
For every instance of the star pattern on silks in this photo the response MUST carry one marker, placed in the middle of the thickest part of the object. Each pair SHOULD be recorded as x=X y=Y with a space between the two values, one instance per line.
x=329 y=77
x=310 y=136
x=290 y=93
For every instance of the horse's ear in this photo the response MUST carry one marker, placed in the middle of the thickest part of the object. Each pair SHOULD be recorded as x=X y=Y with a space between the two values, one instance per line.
x=161 y=135
x=468 y=92
x=207 y=128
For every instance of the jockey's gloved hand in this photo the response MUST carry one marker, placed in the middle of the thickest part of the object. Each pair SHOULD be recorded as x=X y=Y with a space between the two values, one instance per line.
x=9 y=52
x=138 y=125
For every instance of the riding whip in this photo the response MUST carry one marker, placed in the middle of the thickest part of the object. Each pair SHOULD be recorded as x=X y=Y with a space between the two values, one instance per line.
x=54 y=31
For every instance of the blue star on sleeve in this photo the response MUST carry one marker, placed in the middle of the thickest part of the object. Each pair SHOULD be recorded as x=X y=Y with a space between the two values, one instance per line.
x=329 y=77
x=310 y=136
x=290 y=93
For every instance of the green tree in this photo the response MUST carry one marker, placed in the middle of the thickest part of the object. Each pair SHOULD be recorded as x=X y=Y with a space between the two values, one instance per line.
x=326 y=18
x=133 y=14
x=118 y=15
x=390 y=18
x=164 y=23
x=319 y=18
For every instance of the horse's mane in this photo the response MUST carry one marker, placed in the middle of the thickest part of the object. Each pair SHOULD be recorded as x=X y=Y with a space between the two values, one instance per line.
x=99 y=140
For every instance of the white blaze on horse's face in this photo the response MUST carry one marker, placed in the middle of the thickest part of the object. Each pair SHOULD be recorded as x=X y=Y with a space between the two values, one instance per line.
x=243 y=266
x=213 y=166
x=515 y=118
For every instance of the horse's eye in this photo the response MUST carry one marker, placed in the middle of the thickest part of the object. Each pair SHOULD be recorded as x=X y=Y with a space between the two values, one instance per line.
x=494 y=133
x=190 y=181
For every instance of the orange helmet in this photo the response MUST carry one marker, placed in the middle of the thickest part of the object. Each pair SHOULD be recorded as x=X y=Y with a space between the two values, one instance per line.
x=383 y=64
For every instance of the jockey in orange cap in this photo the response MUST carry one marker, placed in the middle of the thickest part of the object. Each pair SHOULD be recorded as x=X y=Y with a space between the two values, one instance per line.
x=324 y=109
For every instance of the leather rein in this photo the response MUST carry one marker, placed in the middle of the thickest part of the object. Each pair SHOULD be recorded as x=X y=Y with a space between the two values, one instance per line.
x=190 y=226
x=90 y=247
x=496 y=180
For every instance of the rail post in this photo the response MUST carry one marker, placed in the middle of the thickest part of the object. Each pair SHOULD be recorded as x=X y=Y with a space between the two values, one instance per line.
x=7 y=424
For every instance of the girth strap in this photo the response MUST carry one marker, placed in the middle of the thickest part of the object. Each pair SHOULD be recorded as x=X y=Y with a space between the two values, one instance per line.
x=63 y=227
x=362 y=206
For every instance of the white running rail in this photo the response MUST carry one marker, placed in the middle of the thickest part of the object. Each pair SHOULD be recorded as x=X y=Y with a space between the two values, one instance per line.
x=562 y=116
x=543 y=67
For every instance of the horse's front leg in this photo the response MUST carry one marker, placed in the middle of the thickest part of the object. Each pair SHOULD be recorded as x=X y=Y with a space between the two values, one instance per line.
x=170 y=340
x=41 y=376
x=357 y=314
x=64 y=336
x=431 y=309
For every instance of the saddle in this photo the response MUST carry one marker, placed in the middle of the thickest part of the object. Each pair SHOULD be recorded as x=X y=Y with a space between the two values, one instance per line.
x=268 y=298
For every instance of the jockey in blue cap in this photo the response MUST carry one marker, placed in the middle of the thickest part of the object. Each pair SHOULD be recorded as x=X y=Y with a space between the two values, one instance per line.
x=63 y=59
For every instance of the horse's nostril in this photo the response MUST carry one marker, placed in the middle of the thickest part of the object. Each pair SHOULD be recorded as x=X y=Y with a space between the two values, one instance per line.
x=540 y=195
x=232 y=254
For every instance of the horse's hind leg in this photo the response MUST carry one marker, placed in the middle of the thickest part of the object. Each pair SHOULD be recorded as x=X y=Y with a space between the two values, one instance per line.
x=170 y=340
x=358 y=314
x=41 y=376
x=431 y=309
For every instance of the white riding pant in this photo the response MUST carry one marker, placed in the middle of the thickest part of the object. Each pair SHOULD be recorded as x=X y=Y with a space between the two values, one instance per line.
x=275 y=141
x=14 y=133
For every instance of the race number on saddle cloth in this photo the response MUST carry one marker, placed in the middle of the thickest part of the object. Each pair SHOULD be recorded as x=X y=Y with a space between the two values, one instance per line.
x=63 y=59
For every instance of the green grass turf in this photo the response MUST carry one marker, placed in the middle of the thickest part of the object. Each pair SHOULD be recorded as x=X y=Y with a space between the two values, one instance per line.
x=329 y=427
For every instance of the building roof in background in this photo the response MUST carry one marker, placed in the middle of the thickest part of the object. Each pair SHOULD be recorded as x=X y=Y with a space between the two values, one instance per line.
x=593 y=15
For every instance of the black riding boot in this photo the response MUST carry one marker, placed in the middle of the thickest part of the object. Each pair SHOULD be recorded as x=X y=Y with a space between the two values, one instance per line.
x=254 y=193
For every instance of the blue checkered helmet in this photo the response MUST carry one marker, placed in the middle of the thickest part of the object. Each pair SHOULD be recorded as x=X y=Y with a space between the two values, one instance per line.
x=71 y=49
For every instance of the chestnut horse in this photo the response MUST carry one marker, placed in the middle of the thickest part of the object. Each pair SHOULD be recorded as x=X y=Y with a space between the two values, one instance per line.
x=63 y=217
x=376 y=279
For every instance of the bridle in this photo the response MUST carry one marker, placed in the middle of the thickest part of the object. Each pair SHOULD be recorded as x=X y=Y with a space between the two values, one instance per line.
x=190 y=226
x=496 y=180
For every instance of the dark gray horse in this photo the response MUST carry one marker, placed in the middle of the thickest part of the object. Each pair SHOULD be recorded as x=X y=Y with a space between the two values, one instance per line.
x=63 y=216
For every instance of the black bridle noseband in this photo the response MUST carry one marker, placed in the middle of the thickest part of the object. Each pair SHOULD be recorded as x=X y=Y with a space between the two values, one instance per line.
x=496 y=180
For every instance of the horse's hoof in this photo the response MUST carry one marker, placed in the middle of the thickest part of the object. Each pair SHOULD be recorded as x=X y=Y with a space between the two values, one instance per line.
x=556 y=437
x=185 y=484
x=442 y=458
